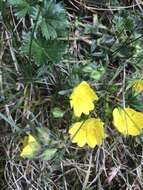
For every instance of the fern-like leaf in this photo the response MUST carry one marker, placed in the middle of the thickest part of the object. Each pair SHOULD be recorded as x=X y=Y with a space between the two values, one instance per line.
x=52 y=21
x=23 y=7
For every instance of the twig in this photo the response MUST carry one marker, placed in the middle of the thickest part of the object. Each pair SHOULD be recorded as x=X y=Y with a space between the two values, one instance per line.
x=88 y=172
x=12 y=53
x=123 y=87
x=111 y=8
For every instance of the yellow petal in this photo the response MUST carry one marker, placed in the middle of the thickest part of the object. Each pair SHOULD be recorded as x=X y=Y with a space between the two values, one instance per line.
x=89 y=132
x=89 y=91
x=138 y=86
x=31 y=139
x=128 y=121
x=28 y=139
x=82 y=99
x=78 y=134
x=95 y=132
x=83 y=107
x=30 y=146
x=27 y=151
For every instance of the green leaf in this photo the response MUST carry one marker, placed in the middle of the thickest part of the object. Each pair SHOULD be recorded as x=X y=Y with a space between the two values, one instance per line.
x=43 y=135
x=37 y=51
x=48 y=31
x=43 y=51
x=64 y=92
x=55 y=49
x=48 y=154
x=10 y=121
x=57 y=112
x=22 y=7
x=94 y=72
x=52 y=22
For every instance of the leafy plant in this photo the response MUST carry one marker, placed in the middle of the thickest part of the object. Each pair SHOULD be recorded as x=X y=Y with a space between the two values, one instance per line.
x=52 y=21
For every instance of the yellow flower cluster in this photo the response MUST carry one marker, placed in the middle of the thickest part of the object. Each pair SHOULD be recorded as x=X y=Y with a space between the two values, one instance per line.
x=91 y=131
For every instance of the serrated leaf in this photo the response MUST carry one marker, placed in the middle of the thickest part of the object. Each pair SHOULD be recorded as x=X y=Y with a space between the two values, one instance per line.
x=52 y=20
x=43 y=51
x=37 y=52
x=48 y=31
x=22 y=7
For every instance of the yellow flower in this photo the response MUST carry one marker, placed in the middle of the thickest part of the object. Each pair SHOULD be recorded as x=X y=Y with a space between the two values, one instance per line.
x=82 y=99
x=128 y=121
x=31 y=146
x=138 y=86
x=90 y=131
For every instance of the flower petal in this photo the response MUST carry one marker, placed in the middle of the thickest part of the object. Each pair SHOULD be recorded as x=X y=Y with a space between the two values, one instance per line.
x=128 y=121
x=95 y=132
x=30 y=146
x=78 y=134
x=82 y=99
x=138 y=86
x=27 y=151
x=31 y=139
x=90 y=131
